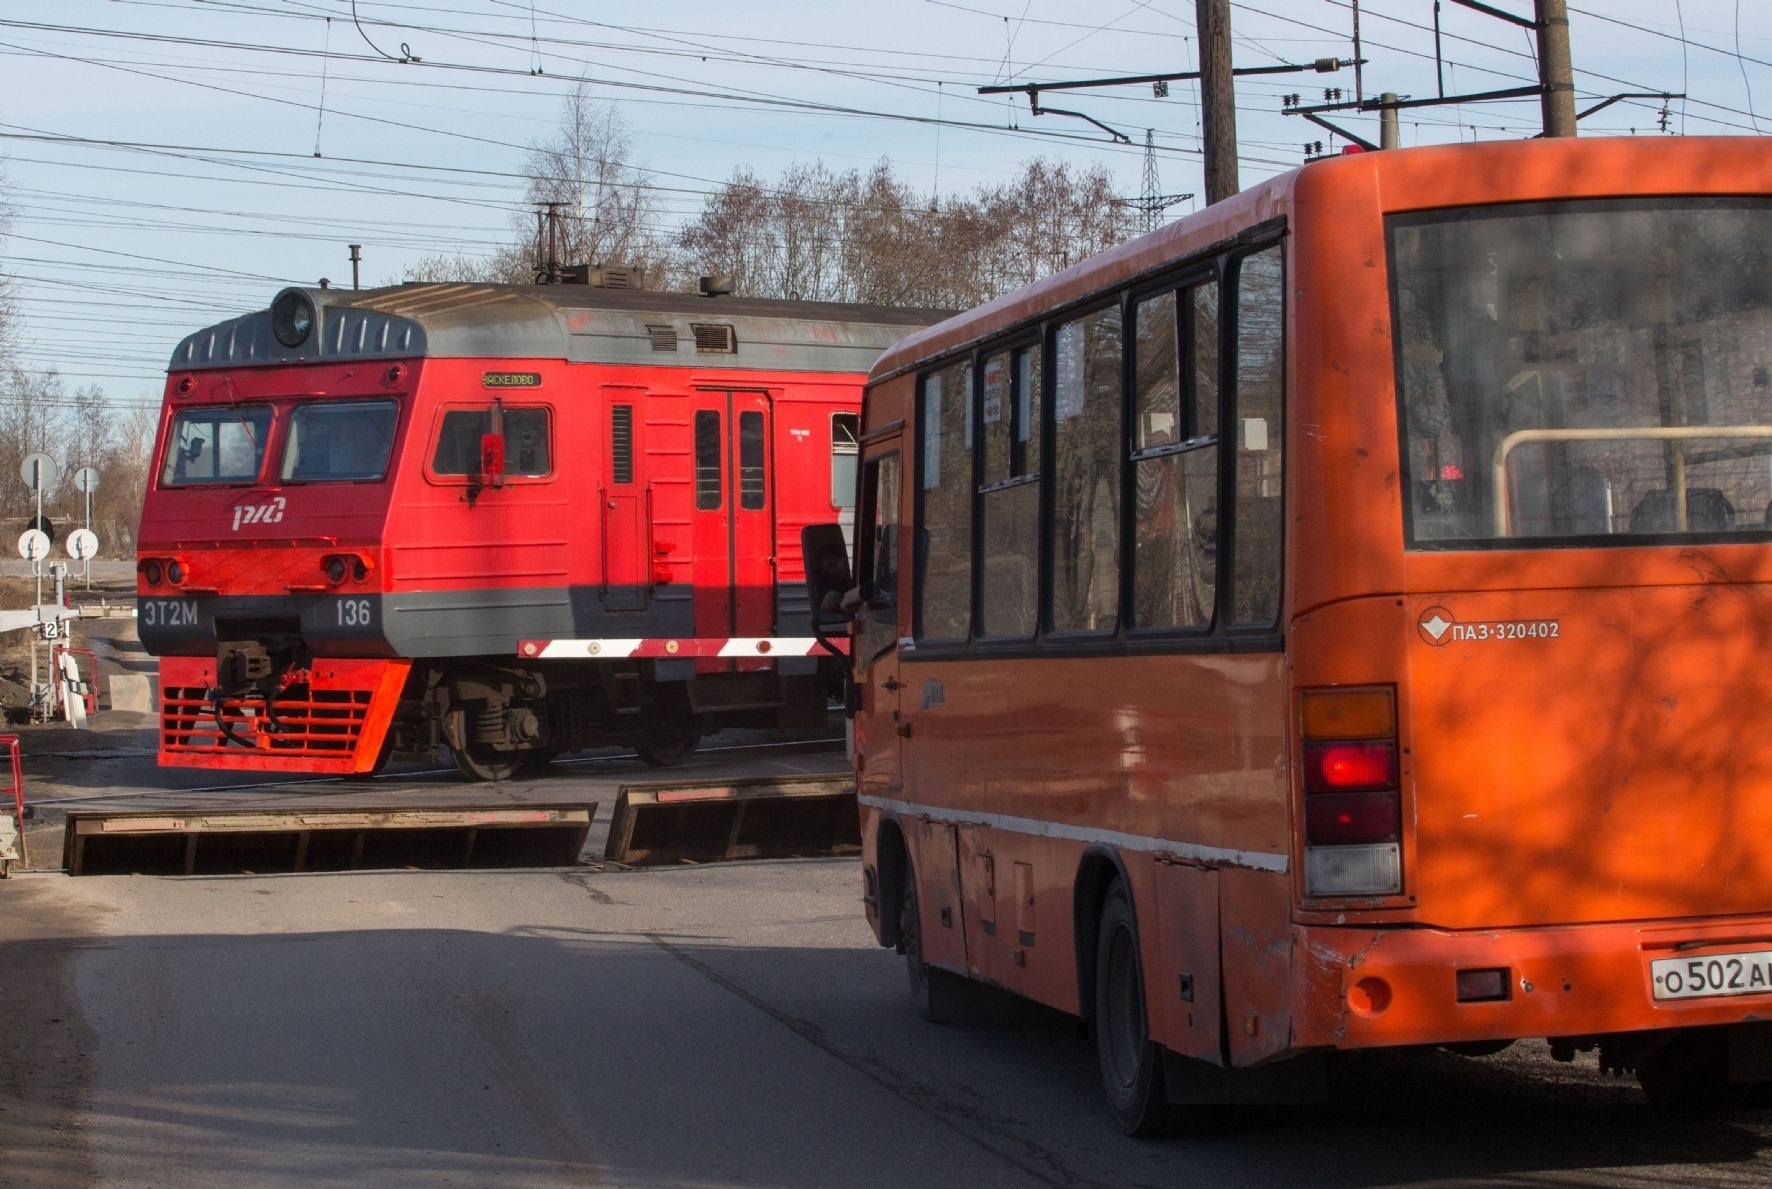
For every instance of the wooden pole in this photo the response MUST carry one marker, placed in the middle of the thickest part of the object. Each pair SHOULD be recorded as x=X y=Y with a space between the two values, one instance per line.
x=1218 y=98
x=1555 y=70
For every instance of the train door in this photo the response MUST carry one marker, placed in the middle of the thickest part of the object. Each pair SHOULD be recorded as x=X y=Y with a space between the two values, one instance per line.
x=626 y=567
x=734 y=517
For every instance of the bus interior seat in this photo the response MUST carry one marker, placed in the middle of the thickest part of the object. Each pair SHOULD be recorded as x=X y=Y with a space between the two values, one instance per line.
x=1708 y=510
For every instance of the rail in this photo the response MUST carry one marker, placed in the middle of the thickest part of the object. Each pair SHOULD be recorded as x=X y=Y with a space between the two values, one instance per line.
x=1504 y=511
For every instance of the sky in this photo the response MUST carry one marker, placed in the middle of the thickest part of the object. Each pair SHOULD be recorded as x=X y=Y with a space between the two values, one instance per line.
x=172 y=163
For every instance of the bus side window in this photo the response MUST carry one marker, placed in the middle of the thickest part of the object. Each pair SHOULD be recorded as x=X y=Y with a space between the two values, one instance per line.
x=845 y=449
x=1010 y=495
x=944 y=511
x=1261 y=359
x=1175 y=456
x=876 y=559
x=1086 y=474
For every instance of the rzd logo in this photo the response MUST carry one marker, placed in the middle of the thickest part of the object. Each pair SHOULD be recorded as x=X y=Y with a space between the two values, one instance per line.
x=269 y=513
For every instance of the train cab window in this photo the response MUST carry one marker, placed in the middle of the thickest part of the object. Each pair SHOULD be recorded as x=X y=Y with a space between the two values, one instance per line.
x=1259 y=445
x=528 y=449
x=1086 y=474
x=707 y=460
x=1175 y=458
x=944 y=537
x=876 y=558
x=223 y=444
x=340 y=442
x=845 y=450
x=1010 y=494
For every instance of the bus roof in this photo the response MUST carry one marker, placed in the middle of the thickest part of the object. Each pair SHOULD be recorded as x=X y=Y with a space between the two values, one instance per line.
x=1431 y=177
x=579 y=323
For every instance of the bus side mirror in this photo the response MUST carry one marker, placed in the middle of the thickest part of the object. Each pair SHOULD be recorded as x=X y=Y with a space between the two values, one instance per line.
x=826 y=557
x=492 y=460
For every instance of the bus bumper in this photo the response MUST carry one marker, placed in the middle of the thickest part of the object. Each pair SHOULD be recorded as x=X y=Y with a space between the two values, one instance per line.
x=1370 y=988
x=333 y=722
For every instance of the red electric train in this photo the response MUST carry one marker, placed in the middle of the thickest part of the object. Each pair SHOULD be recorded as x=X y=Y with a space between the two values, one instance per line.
x=509 y=520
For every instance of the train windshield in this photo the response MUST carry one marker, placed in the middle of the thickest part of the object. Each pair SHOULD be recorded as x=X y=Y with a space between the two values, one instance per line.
x=219 y=444
x=346 y=442
x=1585 y=373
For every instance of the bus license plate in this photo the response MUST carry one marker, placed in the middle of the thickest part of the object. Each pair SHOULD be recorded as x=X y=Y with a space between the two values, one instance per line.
x=1747 y=973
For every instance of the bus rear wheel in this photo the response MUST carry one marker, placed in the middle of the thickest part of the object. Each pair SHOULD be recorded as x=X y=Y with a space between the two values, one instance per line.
x=1689 y=1075
x=1131 y=1063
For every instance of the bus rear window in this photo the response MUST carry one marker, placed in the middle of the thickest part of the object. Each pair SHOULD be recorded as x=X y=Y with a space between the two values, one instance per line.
x=1585 y=373
x=225 y=444
x=347 y=442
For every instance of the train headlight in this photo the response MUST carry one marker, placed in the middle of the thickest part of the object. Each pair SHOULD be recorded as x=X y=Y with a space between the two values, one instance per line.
x=175 y=571
x=292 y=318
x=335 y=570
x=152 y=572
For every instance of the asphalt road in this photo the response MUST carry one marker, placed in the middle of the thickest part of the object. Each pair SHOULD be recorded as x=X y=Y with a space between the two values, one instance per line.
x=717 y=1025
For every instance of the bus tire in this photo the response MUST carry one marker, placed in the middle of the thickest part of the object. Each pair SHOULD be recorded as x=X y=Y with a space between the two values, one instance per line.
x=1131 y=1063
x=1689 y=1075
x=940 y=996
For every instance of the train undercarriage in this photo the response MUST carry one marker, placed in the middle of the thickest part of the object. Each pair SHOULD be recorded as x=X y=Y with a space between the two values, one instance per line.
x=252 y=708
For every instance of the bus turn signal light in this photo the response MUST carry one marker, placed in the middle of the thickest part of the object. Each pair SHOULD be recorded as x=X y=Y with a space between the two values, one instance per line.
x=1350 y=767
x=1349 y=714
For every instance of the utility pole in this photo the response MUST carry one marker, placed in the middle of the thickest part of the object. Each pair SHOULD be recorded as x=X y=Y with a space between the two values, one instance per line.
x=356 y=261
x=1555 y=71
x=1388 y=134
x=1218 y=98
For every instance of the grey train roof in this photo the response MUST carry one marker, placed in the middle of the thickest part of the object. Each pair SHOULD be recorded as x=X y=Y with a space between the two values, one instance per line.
x=578 y=323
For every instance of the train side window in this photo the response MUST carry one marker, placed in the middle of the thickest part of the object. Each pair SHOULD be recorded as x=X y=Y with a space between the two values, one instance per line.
x=1260 y=459
x=1086 y=474
x=750 y=461
x=621 y=443
x=1010 y=495
x=225 y=444
x=845 y=450
x=1175 y=458
x=876 y=558
x=707 y=460
x=528 y=444
x=944 y=536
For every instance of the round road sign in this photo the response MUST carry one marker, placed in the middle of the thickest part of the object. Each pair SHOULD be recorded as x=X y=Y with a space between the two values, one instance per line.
x=38 y=470
x=86 y=480
x=33 y=544
x=82 y=544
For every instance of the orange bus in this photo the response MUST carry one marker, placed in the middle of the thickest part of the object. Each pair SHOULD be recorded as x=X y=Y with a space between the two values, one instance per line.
x=1340 y=620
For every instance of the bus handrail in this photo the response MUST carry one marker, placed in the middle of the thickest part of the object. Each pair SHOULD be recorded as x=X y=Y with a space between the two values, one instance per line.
x=1504 y=513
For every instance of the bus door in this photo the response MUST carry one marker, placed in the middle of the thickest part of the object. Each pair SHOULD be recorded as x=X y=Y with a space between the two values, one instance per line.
x=627 y=570
x=734 y=517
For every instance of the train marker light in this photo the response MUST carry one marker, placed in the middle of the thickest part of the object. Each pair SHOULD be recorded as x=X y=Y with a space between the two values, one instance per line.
x=335 y=569
x=175 y=572
x=152 y=572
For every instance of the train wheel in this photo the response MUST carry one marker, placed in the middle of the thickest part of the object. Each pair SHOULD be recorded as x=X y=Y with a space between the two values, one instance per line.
x=667 y=740
x=484 y=764
x=1131 y=1064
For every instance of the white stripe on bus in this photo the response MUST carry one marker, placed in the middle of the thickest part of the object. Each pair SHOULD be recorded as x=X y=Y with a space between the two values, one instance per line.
x=1255 y=859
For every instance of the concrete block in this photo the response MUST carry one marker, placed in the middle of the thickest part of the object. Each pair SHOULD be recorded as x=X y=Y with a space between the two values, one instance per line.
x=137 y=693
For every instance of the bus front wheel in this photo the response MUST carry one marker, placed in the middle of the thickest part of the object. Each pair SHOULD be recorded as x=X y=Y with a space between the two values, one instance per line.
x=1131 y=1063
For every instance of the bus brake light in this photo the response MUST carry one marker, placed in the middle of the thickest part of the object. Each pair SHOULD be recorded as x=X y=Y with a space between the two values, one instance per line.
x=1350 y=767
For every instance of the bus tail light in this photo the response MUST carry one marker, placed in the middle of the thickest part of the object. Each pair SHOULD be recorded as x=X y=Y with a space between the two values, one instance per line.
x=1353 y=820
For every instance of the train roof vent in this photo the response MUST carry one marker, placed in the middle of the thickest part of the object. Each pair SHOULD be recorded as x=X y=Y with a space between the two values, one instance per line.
x=664 y=338
x=715 y=337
